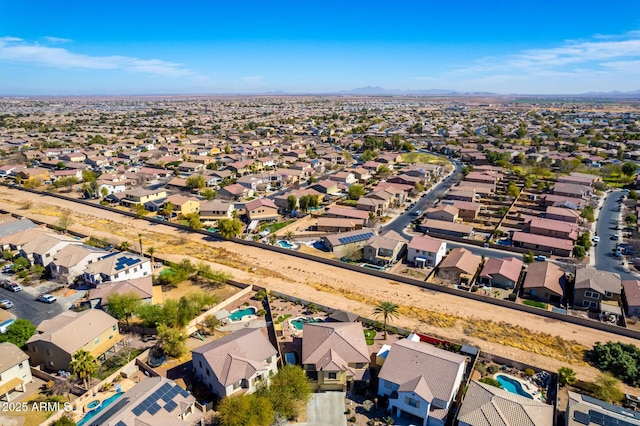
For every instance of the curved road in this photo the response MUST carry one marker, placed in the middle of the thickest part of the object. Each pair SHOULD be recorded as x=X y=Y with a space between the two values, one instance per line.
x=608 y=219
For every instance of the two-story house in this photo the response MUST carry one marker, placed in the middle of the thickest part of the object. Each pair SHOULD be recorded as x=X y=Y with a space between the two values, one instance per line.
x=116 y=267
x=70 y=262
x=334 y=355
x=42 y=249
x=426 y=251
x=592 y=287
x=242 y=360
x=384 y=249
x=14 y=372
x=213 y=211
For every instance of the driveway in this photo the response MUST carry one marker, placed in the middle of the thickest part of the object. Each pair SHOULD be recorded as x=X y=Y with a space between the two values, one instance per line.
x=326 y=409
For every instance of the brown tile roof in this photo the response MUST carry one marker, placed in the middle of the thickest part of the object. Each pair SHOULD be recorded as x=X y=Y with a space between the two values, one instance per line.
x=425 y=243
x=509 y=268
x=11 y=356
x=600 y=281
x=238 y=355
x=632 y=292
x=330 y=345
x=543 y=240
x=547 y=275
x=462 y=259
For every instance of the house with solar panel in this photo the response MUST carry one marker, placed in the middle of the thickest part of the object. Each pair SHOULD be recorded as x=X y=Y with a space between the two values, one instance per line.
x=118 y=266
x=153 y=401
x=583 y=410
x=346 y=242
x=237 y=362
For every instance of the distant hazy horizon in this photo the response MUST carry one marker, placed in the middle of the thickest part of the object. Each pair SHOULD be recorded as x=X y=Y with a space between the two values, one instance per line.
x=234 y=48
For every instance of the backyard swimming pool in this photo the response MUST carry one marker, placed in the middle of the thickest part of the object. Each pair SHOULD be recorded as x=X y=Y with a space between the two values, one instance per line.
x=512 y=385
x=297 y=323
x=238 y=314
x=94 y=412
x=285 y=244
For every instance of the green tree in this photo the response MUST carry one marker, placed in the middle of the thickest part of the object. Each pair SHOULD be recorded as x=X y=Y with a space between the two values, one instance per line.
x=629 y=169
x=355 y=192
x=292 y=201
x=588 y=214
x=314 y=201
x=208 y=194
x=20 y=264
x=186 y=311
x=172 y=340
x=196 y=182
x=304 y=202
x=383 y=171
x=579 y=252
x=245 y=410
x=19 y=332
x=607 y=388
x=631 y=219
x=289 y=391
x=491 y=381
x=418 y=187
x=65 y=420
x=633 y=195
x=65 y=220
x=194 y=221
x=229 y=228
x=386 y=310
x=566 y=376
x=227 y=149
x=167 y=209
x=151 y=251
x=584 y=240
x=123 y=305
x=211 y=322
x=521 y=132
x=513 y=190
x=83 y=365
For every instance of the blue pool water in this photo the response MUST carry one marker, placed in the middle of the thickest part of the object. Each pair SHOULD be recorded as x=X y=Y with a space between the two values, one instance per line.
x=299 y=322
x=512 y=386
x=285 y=244
x=91 y=414
x=241 y=313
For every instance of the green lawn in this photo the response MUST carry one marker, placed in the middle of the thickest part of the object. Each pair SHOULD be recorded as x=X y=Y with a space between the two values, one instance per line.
x=282 y=318
x=274 y=227
x=419 y=157
x=369 y=335
x=535 y=304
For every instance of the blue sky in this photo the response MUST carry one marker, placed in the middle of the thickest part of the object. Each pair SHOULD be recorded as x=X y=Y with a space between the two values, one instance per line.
x=144 y=47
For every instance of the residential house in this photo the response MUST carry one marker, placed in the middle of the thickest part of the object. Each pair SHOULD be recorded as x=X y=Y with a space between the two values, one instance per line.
x=142 y=287
x=584 y=410
x=483 y=402
x=545 y=281
x=117 y=266
x=446 y=228
x=152 y=401
x=384 y=249
x=35 y=173
x=216 y=210
x=335 y=225
x=362 y=175
x=335 y=355
x=459 y=266
x=571 y=190
x=563 y=214
x=71 y=260
x=552 y=228
x=240 y=361
x=326 y=187
x=44 y=247
x=374 y=205
x=138 y=196
x=592 y=287
x=347 y=178
x=460 y=195
x=347 y=242
x=261 y=209
x=504 y=273
x=446 y=213
x=541 y=243
x=234 y=192
x=14 y=372
x=466 y=210
x=183 y=205
x=188 y=167
x=631 y=297
x=421 y=380
x=425 y=251
x=346 y=213
x=58 y=338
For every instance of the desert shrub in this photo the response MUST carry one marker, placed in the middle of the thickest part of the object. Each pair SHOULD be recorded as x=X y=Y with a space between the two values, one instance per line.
x=529 y=372
x=493 y=369
x=490 y=381
x=481 y=368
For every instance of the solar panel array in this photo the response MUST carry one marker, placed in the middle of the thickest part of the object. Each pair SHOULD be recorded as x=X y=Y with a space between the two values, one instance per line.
x=355 y=238
x=598 y=418
x=126 y=261
x=166 y=393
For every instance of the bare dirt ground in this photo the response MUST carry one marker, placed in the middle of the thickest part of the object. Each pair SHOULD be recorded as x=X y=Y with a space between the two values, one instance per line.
x=520 y=336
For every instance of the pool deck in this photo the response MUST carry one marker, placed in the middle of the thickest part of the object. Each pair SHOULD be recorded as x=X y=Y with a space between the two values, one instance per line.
x=528 y=387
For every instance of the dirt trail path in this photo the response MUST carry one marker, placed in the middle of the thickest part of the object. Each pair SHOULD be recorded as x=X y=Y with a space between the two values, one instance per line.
x=512 y=334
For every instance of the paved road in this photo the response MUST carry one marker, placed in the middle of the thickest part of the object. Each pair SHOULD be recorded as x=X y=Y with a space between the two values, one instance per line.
x=608 y=218
x=27 y=307
x=400 y=223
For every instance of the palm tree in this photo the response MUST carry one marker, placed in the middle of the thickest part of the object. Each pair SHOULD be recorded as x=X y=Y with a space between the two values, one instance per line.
x=124 y=246
x=289 y=235
x=386 y=310
x=84 y=366
x=151 y=251
x=140 y=240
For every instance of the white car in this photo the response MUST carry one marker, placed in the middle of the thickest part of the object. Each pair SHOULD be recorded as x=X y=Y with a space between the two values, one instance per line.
x=46 y=298
x=596 y=239
x=6 y=304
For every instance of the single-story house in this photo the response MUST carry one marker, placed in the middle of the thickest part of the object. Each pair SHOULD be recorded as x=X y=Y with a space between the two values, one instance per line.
x=545 y=281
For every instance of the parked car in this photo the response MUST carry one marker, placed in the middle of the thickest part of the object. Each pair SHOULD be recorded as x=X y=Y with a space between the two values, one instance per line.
x=7 y=268
x=46 y=298
x=6 y=304
x=417 y=213
x=540 y=258
x=14 y=287
x=614 y=238
x=596 y=239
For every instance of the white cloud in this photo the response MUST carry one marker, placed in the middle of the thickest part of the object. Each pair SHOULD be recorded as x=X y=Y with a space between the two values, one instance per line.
x=57 y=40
x=13 y=49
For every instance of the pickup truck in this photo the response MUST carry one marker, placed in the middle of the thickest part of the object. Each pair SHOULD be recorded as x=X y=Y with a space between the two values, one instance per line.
x=46 y=298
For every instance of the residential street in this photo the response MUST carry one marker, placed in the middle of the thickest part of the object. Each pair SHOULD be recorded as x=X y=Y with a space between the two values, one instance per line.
x=610 y=217
x=27 y=307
